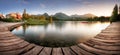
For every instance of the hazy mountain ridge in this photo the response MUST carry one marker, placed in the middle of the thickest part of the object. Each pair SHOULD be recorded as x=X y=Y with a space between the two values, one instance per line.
x=84 y=16
x=65 y=16
x=61 y=16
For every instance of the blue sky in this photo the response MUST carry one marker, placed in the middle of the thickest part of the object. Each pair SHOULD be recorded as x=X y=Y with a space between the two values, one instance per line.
x=69 y=7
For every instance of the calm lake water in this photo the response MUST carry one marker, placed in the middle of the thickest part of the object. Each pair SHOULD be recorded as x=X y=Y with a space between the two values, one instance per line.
x=60 y=33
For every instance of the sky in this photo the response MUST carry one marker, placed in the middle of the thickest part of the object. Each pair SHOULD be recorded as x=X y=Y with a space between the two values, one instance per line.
x=69 y=7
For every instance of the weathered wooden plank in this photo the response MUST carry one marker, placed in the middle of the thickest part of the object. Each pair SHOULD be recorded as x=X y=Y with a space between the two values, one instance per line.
x=110 y=31
x=108 y=37
x=13 y=47
x=68 y=51
x=11 y=40
x=116 y=29
x=95 y=42
x=97 y=51
x=2 y=29
x=80 y=51
x=34 y=51
x=7 y=37
x=13 y=26
x=110 y=34
x=109 y=48
x=101 y=35
x=46 y=51
x=57 y=51
x=106 y=40
x=105 y=31
x=11 y=43
x=89 y=44
x=5 y=34
x=16 y=52
x=114 y=26
x=27 y=48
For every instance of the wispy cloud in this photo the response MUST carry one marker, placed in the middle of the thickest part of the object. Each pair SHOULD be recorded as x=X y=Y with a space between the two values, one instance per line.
x=78 y=0
x=42 y=5
x=87 y=3
x=25 y=1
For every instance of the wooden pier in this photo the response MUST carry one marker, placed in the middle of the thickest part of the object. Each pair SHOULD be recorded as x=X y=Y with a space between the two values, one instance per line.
x=105 y=43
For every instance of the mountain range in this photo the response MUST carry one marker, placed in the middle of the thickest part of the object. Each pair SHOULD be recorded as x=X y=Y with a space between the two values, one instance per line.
x=84 y=16
x=61 y=15
x=64 y=16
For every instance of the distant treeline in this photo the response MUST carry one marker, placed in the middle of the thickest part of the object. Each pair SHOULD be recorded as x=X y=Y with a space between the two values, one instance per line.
x=102 y=18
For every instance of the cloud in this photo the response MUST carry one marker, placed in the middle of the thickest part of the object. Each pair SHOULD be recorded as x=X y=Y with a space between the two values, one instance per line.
x=88 y=3
x=25 y=1
x=79 y=0
x=42 y=5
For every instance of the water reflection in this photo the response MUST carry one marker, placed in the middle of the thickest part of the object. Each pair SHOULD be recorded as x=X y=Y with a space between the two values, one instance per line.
x=60 y=34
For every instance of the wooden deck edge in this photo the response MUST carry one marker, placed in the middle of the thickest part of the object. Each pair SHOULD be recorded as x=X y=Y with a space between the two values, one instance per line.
x=69 y=50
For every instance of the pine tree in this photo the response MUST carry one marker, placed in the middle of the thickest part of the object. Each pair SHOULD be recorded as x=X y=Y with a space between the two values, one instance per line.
x=119 y=14
x=25 y=15
x=114 y=14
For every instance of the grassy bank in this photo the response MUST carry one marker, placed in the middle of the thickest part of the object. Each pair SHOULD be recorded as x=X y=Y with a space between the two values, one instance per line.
x=35 y=22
